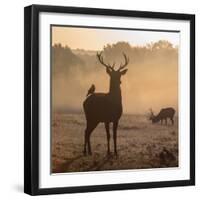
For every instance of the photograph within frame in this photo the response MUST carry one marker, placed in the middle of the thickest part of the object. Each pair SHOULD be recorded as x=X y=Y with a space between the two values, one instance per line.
x=153 y=51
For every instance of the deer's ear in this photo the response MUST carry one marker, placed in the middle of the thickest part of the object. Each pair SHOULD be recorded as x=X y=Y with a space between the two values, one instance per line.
x=108 y=71
x=124 y=71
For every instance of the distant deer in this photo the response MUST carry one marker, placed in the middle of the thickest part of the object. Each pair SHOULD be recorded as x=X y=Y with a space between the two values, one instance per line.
x=163 y=115
x=105 y=107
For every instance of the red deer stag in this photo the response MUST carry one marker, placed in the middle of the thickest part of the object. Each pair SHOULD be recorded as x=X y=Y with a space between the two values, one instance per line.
x=163 y=115
x=105 y=107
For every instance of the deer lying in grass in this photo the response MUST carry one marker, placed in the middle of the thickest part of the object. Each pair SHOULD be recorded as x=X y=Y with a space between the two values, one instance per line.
x=162 y=115
x=105 y=107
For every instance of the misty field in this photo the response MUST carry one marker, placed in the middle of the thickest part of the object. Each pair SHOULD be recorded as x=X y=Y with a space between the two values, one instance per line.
x=140 y=145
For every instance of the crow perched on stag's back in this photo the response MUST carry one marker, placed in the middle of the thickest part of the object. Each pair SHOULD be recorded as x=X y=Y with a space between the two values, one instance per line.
x=91 y=90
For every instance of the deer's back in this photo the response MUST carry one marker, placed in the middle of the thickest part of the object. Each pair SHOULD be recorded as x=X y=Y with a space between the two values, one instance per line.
x=102 y=108
x=166 y=112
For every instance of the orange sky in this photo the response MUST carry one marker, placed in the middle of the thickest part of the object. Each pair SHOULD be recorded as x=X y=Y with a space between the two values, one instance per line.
x=95 y=39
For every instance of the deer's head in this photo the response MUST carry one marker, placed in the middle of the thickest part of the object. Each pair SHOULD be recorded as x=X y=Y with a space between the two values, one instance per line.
x=152 y=117
x=115 y=75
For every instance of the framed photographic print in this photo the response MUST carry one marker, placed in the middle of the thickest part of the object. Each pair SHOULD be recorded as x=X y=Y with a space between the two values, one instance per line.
x=109 y=100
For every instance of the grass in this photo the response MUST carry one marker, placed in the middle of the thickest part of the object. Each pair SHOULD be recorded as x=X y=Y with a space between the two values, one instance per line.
x=141 y=145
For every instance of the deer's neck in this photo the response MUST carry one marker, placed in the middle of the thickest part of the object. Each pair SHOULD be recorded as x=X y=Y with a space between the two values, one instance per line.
x=115 y=93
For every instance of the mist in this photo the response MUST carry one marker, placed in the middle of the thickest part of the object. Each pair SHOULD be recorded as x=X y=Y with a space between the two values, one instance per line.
x=151 y=80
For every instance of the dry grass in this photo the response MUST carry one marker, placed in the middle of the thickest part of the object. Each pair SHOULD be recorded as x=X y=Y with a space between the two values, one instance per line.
x=140 y=145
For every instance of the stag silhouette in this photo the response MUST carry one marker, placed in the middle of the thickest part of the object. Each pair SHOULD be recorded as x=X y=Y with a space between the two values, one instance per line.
x=105 y=107
x=164 y=114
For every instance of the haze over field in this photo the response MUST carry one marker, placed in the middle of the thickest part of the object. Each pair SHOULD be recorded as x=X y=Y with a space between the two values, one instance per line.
x=151 y=80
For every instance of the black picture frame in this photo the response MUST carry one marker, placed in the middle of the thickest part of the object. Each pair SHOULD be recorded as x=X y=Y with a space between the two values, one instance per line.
x=31 y=98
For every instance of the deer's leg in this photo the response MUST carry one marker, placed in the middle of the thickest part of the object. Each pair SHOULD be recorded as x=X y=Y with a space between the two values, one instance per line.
x=91 y=126
x=115 y=125
x=85 y=142
x=172 y=120
x=161 y=121
x=165 y=121
x=108 y=136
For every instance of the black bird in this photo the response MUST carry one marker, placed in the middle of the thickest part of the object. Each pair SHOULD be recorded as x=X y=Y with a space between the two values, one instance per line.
x=91 y=90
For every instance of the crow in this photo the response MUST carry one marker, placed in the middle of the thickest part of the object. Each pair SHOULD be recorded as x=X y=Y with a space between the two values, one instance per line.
x=91 y=90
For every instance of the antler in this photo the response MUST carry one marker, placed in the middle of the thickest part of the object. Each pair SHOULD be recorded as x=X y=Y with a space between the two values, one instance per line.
x=100 y=57
x=151 y=111
x=150 y=114
x=122 y=66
